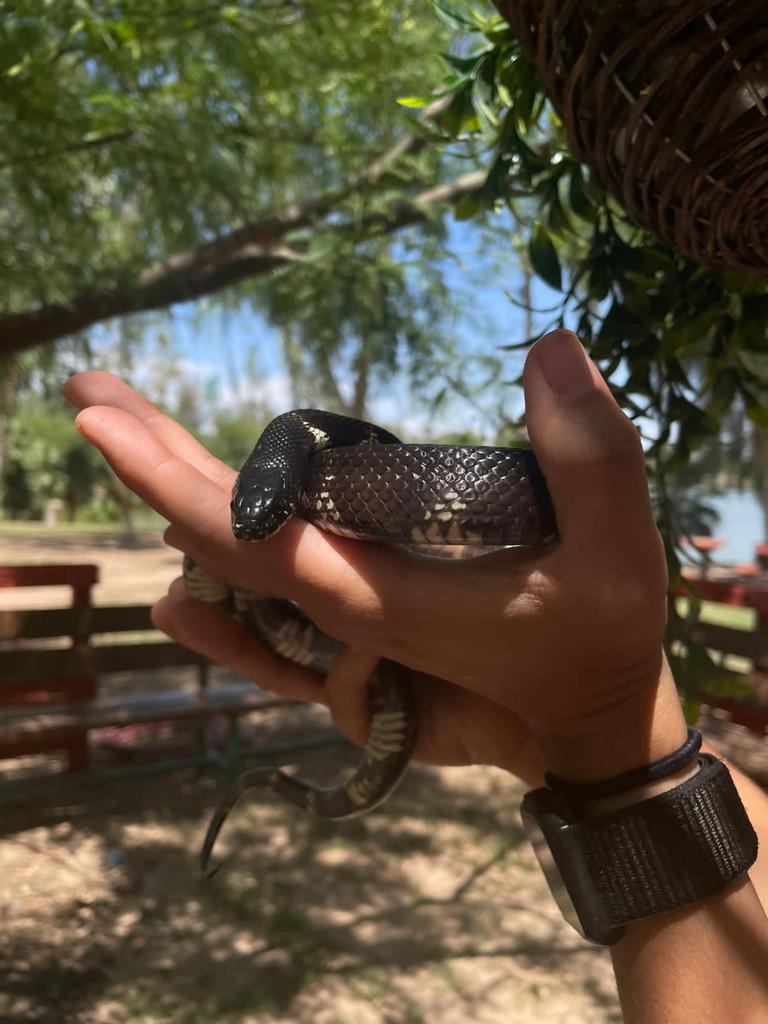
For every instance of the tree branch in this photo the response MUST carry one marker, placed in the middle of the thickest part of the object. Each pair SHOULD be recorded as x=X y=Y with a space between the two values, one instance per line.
x=248 y=252
x=406 y=212
x=72 y=147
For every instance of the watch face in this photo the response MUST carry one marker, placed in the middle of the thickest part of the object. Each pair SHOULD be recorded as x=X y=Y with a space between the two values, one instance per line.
x=548 y=865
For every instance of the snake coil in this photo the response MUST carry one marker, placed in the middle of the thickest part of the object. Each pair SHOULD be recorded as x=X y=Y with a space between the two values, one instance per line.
x=358 y=480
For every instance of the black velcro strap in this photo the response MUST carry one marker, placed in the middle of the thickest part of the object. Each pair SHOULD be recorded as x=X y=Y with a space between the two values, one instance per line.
x=688 y=843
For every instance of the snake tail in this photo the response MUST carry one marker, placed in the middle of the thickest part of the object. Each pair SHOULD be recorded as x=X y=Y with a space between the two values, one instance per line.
x=248 y=780
x=391 y=738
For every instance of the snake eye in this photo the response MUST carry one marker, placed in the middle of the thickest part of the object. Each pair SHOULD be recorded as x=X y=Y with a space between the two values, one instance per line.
x=260 y=505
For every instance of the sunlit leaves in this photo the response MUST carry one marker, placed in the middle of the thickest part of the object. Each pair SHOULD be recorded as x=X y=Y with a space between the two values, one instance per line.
x=454 y=16
x=415 y=102
x=141 y=129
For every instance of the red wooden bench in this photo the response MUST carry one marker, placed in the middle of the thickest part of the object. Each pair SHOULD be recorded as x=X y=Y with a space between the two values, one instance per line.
x=742 y=591
x=50 y=670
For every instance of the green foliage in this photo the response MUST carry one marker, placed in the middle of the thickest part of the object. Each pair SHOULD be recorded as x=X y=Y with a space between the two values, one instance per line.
x=134 y=131
x=683 y=347
x=47 y=458
x=543 y=256
x=355 y=316
x=234 y=435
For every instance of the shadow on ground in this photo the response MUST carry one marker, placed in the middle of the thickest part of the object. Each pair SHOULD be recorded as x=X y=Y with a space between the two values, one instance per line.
x=428 y=909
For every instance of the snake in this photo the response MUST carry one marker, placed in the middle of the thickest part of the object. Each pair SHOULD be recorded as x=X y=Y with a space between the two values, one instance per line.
x=355 y=479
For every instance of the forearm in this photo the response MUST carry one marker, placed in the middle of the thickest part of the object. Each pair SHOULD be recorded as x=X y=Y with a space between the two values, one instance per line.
x=705 y=962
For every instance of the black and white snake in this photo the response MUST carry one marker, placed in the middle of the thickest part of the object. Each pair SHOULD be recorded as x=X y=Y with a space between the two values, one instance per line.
x=353 y=478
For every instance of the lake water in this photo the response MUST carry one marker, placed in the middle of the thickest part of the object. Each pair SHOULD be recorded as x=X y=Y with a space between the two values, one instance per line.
x=741 y=525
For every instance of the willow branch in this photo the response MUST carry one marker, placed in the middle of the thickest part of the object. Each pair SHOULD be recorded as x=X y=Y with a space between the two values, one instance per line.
x=249 y=252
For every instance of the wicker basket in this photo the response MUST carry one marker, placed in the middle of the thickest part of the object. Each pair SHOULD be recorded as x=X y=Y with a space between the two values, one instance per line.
x=666 y=101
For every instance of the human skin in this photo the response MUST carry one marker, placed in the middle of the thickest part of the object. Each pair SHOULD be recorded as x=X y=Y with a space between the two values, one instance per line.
x=554 y=661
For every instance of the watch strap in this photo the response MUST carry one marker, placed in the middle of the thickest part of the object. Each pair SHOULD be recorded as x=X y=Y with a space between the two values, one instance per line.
x=670 y=850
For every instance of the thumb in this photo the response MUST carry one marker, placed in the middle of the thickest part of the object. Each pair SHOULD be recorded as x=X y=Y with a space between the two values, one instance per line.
x=589 y=451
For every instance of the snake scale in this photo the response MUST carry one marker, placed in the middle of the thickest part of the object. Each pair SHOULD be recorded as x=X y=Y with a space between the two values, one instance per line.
x=355 y=479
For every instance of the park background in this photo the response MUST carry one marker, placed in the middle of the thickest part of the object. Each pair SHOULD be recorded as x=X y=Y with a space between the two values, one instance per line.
x=376 y=211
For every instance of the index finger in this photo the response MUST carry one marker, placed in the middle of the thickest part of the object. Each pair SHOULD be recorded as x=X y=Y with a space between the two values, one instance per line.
x=300 y=562
x=166 y=481
x=97 y=387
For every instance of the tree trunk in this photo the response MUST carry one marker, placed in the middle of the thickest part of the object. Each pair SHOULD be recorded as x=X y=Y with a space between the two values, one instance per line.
x=329 y=386
x=760 y=436
x=292 y=354
x=362 y=376
x=124 y=500
x=9 y=382
x=526 y=296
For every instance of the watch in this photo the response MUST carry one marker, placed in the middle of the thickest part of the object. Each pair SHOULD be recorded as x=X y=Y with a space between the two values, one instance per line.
x=668 y=851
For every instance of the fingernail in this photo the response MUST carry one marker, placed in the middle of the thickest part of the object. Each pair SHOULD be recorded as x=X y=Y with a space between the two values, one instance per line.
x=564 y=364
x=80 y=424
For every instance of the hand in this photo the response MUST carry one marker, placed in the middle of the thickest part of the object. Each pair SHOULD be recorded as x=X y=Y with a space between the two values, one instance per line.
x=456 y=726
x=570 y=641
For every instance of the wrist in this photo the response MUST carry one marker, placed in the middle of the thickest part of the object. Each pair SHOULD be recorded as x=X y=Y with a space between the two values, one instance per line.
x=635 y=734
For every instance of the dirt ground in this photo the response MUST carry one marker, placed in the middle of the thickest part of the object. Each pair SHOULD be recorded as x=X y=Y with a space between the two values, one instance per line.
x=431 y=909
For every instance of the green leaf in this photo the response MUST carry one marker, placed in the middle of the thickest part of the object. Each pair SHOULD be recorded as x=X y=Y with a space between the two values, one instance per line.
x=499 y=33
x=544 y=258
x=580 y=202
x=511 y=140
x=527 y=91
x=451 y=16
x=619 y=324
x=557 y=219
x=416 y=102
x=469 y=206
x=691 y=709
x=468 y=66
x=686 y=337
x=17 y=69
x=758 y=414
x=755 y=363
x=460 y=117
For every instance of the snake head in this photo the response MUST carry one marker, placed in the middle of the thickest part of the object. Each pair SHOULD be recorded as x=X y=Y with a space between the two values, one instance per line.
x=260 y=504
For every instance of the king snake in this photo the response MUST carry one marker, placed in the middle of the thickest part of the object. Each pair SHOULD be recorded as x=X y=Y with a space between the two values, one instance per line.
x=358 y=480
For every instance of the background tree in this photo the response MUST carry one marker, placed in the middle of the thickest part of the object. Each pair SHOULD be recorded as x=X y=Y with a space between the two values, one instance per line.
x=199 y=148
x=358 y=317
x=162 y=155
x=47 y=458
x=164 y=152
